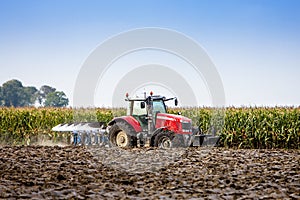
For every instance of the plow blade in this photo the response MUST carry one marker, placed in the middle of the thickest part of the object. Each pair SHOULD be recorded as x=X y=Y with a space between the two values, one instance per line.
x=205 y=140
x=84 y=133
x=82 y=126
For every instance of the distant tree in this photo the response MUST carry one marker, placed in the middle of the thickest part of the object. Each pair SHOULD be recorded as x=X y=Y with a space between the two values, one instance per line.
x=43 y=92
x=1 y=97
x=14 y=94
x=56 y=99
x=30 y=95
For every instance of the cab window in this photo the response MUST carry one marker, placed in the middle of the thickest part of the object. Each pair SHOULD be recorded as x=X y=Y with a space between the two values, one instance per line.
x=137 y=110
x=159 y=106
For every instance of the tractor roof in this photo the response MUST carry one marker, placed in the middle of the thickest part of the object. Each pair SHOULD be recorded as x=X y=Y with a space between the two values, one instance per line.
x=153 y=97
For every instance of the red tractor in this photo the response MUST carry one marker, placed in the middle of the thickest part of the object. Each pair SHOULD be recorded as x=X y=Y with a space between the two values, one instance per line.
x=148 y=124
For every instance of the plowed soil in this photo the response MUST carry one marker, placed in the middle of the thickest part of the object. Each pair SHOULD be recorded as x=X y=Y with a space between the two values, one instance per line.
x=44 y=172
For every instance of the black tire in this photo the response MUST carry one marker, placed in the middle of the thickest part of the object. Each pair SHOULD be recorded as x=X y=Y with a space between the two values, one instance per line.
x=121 y=134
x=164 y=140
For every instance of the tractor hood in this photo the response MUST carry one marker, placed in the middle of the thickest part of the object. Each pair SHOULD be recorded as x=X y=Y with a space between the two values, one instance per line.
x=171 y=117
x=176 y=123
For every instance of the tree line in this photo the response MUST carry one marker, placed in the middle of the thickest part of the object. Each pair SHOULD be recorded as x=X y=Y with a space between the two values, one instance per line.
x=13 y=93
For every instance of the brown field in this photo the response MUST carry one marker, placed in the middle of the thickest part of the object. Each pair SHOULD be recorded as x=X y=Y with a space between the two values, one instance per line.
x=53 y=172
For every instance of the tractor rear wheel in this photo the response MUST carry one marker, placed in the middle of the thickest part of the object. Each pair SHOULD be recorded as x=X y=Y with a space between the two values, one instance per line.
x=120 y=135
x=164 y=140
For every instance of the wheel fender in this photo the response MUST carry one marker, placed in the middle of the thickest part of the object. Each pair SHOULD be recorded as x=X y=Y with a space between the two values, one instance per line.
x=116 y=120
x=130 y=120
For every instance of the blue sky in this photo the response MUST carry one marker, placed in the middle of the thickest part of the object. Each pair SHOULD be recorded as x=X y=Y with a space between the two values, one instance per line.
x=255 y=45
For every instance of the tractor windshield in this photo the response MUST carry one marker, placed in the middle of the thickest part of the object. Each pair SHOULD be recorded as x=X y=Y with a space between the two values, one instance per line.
x=159 y=106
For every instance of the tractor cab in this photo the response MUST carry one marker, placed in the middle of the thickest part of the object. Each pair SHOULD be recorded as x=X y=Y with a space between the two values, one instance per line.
x=145 y=110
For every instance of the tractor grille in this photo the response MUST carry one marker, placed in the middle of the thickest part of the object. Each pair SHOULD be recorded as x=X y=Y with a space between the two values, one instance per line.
x=186 y=126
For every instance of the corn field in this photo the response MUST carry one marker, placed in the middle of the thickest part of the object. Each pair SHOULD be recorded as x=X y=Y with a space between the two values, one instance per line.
x=254 y=127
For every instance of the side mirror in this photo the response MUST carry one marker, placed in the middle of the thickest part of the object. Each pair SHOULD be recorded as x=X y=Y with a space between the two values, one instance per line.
x=143 y=105
x=176 y=102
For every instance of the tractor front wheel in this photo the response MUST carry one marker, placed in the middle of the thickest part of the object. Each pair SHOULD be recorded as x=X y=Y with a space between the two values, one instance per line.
x=163 y=140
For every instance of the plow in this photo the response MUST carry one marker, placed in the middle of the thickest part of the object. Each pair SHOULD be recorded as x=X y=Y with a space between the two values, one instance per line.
x=147 y=124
